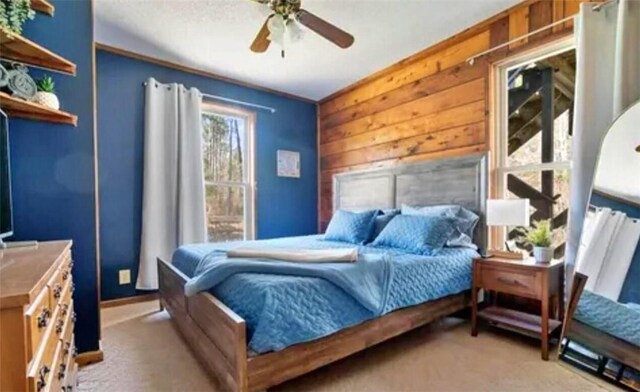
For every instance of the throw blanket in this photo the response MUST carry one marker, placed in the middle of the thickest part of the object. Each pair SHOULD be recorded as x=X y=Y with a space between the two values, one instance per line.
x=297 y=255
x=367 y=280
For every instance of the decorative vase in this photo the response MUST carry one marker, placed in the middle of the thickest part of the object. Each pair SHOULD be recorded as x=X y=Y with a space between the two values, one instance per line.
x=49 y=100
x=542 y=255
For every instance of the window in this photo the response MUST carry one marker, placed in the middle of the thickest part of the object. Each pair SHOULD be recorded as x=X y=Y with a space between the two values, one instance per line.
x=228 y=135
x=532 y=147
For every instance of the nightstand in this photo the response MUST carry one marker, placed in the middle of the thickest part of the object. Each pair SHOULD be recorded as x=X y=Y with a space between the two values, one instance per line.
x=523 y=278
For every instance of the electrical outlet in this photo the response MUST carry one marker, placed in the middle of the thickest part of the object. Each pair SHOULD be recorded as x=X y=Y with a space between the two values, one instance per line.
x=124 y=276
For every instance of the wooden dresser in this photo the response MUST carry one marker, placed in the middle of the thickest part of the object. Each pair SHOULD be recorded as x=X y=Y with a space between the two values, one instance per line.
x=37 y=351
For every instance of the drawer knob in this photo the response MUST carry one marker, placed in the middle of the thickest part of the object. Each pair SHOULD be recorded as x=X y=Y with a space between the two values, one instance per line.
x=63 y=368
x=512 y=282
x=43 y=318
x=57 y=291
x=42 y=377
x=59 y=326
x=65 y=309
x=65 y=275
x=67 y=347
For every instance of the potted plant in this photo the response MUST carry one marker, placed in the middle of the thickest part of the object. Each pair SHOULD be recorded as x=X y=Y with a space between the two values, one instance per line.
x=13 y=14
x=540 y=237
x=46 y=95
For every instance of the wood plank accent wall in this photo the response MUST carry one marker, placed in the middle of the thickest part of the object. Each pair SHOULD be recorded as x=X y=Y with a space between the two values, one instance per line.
x=430 y=105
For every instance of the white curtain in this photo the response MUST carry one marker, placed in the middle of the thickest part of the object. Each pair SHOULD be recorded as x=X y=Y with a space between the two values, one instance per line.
x=607 y=82
x=608 y=243
x=173 y=205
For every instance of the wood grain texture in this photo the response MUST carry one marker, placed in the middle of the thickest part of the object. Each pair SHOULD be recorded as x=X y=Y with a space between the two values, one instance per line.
x=274 y=368
x=213 y=332
x=32 y=334
x=460 y=180
x=427 y=105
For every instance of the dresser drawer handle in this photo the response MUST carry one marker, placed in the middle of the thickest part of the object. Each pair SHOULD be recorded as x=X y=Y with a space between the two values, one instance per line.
x=43 y=318
x=65 y=309
x=59 y=327
x=65 y=275
x=63 y=368
x=512 y=282
x=57 y=291
x=42 y=377
x=67 y=347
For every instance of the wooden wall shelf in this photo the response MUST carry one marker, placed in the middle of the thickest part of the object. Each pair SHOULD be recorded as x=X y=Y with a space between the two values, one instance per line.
x=14 y=47
x=19 y=108
x=43 y=6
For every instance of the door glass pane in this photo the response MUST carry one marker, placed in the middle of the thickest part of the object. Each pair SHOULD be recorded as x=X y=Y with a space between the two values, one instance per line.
x=225 y=213
x=224 y=141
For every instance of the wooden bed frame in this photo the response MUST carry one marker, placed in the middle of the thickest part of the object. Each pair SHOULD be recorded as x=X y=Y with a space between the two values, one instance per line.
x=218 y=336
x=597 y=341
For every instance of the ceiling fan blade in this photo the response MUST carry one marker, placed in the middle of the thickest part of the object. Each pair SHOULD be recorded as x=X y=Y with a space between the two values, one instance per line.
x=261 y=42
x=325 y=29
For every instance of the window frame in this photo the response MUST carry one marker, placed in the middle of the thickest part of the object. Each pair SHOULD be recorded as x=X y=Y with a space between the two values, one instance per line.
x=249 y=184
x=499 y=120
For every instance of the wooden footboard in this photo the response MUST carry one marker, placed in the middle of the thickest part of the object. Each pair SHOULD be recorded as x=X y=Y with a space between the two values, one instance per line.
x=213 y=331
x=218 y=336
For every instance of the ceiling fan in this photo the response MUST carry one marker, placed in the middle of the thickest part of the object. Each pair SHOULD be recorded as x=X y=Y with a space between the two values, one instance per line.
x=284 y=19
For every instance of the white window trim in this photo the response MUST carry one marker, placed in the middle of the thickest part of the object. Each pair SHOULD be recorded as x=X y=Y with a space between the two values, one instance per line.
x=500 y=121
x=249 y=185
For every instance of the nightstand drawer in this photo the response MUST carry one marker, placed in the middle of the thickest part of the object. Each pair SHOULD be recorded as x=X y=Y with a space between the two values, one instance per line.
x=510 y=281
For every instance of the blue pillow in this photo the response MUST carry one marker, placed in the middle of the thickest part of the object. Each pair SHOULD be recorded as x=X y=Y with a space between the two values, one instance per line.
x=465 y=221
x=382 y=220
x=423 y=235
x=353 y=227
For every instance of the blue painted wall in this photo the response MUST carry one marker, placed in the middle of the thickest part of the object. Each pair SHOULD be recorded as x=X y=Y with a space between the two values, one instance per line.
x=285 y=206
x=630 y=289
x=53 y=165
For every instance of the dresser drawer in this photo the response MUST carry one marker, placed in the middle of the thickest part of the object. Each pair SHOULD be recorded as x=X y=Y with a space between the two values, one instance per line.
x=67 y=324
x=511 y=281
x=42 y=366
x=38 y=318
x=69 y=381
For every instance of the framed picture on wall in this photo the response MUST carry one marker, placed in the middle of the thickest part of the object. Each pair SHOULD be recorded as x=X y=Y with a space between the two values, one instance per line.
x=288 y=164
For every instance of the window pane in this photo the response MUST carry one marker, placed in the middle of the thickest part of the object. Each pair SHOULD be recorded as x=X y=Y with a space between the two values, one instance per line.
x=225 y=213
x=549 y=195
x=224 y=147
x=526 y=146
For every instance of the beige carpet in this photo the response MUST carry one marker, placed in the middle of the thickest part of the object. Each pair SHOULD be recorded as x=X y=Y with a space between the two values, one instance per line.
x=143 y=352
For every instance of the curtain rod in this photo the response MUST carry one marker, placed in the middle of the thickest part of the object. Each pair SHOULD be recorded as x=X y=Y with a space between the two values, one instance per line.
x=234 y=101
x=472 y=59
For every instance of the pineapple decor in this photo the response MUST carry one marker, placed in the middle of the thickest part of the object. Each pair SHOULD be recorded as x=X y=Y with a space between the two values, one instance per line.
x=46 y=93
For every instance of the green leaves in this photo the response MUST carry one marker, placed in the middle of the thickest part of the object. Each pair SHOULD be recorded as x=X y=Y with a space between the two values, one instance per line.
x=46 y=84
x=13 y=14
x=540 y=234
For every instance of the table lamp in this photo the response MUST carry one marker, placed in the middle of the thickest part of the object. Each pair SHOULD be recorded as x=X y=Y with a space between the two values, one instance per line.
x=512 y=212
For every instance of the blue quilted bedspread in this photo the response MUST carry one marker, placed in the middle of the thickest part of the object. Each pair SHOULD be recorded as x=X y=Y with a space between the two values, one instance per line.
x=282 y=310
x=614 y=318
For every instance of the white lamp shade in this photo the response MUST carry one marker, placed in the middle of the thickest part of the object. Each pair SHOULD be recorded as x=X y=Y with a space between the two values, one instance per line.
x=508 y=212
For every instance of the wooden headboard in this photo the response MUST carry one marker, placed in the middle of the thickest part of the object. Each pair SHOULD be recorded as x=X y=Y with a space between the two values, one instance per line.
x=461 y=181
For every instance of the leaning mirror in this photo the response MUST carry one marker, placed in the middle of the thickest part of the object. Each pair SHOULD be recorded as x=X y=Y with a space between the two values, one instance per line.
x=602 y=325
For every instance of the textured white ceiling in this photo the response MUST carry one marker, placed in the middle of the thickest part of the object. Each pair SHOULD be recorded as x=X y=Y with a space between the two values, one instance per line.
x=214 y=35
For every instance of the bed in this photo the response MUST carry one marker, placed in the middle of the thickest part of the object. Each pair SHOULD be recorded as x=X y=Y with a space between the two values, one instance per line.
x=249 y=353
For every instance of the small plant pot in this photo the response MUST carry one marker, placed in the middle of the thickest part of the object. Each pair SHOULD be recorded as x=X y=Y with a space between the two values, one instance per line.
x=49 y=100
x=542 y=255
